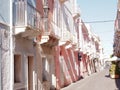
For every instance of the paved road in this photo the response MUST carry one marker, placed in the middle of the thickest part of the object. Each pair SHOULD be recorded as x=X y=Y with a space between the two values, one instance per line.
x=97 y=81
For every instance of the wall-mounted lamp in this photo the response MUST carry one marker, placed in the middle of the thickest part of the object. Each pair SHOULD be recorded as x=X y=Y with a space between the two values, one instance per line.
x=46 y=12
x=46 y=9
x=79 y=56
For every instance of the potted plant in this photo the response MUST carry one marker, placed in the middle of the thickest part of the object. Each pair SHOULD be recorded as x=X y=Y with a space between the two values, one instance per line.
x=114 y=70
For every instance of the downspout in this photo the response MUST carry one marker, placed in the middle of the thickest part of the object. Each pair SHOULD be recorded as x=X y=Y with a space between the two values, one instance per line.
x=0 y=63
x=11 y=47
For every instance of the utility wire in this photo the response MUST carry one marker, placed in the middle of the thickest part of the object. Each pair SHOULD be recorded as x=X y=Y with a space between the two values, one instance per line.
x=100 y=21
x=2 y=18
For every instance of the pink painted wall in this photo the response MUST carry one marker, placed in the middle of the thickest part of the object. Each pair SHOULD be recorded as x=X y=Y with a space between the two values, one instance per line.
x=68 y=77
x=73 y=62
x=70 y=71
x=65 y=60
x=84 y=68
x=78 y=75
x=57 y=67
x=39 y=6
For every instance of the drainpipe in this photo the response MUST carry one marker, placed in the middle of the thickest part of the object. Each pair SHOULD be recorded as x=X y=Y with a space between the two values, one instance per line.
x=11 y=48
x=0 y=64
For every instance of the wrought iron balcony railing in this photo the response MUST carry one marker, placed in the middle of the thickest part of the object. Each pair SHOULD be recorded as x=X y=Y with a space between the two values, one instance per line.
x=66 y=37
x=26 y=16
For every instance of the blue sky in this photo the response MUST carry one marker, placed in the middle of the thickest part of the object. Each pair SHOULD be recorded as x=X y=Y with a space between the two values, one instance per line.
x=100 y=10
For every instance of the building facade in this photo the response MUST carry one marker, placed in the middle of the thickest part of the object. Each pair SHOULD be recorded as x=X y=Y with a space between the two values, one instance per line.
x=5 y=42
x=27 y=60
x=116 y=44
x=45 y=45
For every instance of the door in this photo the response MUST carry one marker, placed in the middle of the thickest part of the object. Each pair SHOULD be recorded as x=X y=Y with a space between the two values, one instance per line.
x=30 y=73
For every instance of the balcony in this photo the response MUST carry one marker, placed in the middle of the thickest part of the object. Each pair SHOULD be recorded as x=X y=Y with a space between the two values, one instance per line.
x=45 y=3
x=75 y=42
x=27 y=20
x=76 y=15
x=62 y=1
x=49 y=37
x=76 y=12
x=66 y=38
x=117 y=25
x=56 y=30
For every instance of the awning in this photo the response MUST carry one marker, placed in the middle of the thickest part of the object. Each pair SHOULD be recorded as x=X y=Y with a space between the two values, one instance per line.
x=113 y=59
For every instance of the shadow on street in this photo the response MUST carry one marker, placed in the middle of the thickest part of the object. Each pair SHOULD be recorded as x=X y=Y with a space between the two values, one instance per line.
x=108 y=76
x=117 y=81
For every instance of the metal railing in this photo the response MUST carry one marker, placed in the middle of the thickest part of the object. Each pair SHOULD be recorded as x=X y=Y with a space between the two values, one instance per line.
x=26 y=15
x=45 y=2
x=56 y=29
x=66 y=36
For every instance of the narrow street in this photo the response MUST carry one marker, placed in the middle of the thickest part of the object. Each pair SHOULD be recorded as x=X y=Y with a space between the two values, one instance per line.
x=59 y=44
x=97 y=81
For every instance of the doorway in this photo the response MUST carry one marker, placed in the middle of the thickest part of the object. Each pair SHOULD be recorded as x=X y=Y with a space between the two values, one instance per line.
x=17 y=69
x=30 y=72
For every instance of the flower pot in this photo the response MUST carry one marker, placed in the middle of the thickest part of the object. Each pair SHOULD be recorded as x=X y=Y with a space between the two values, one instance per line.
x=114 y=76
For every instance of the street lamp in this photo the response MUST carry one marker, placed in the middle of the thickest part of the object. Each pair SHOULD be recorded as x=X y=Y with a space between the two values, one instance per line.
x=46 y=13
x=44 y=18
x=46 y=10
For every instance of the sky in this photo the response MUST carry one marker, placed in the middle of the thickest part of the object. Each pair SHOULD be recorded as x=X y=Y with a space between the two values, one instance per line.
x=100 y=10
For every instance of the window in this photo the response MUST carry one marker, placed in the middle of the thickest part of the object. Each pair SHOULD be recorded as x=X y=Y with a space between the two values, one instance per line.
x=31 y=74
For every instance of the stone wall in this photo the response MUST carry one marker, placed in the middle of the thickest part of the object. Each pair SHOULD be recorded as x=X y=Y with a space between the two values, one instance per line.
x=4 y=57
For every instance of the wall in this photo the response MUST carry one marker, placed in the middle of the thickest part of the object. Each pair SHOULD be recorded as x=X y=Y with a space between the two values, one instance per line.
x=5 y=77
x=49 y=66
x=28 y=49
x=4 y=57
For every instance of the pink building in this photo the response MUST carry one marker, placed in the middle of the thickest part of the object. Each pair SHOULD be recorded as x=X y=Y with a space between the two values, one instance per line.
x=74 y=38
x=116 y=46
x=51 y=47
